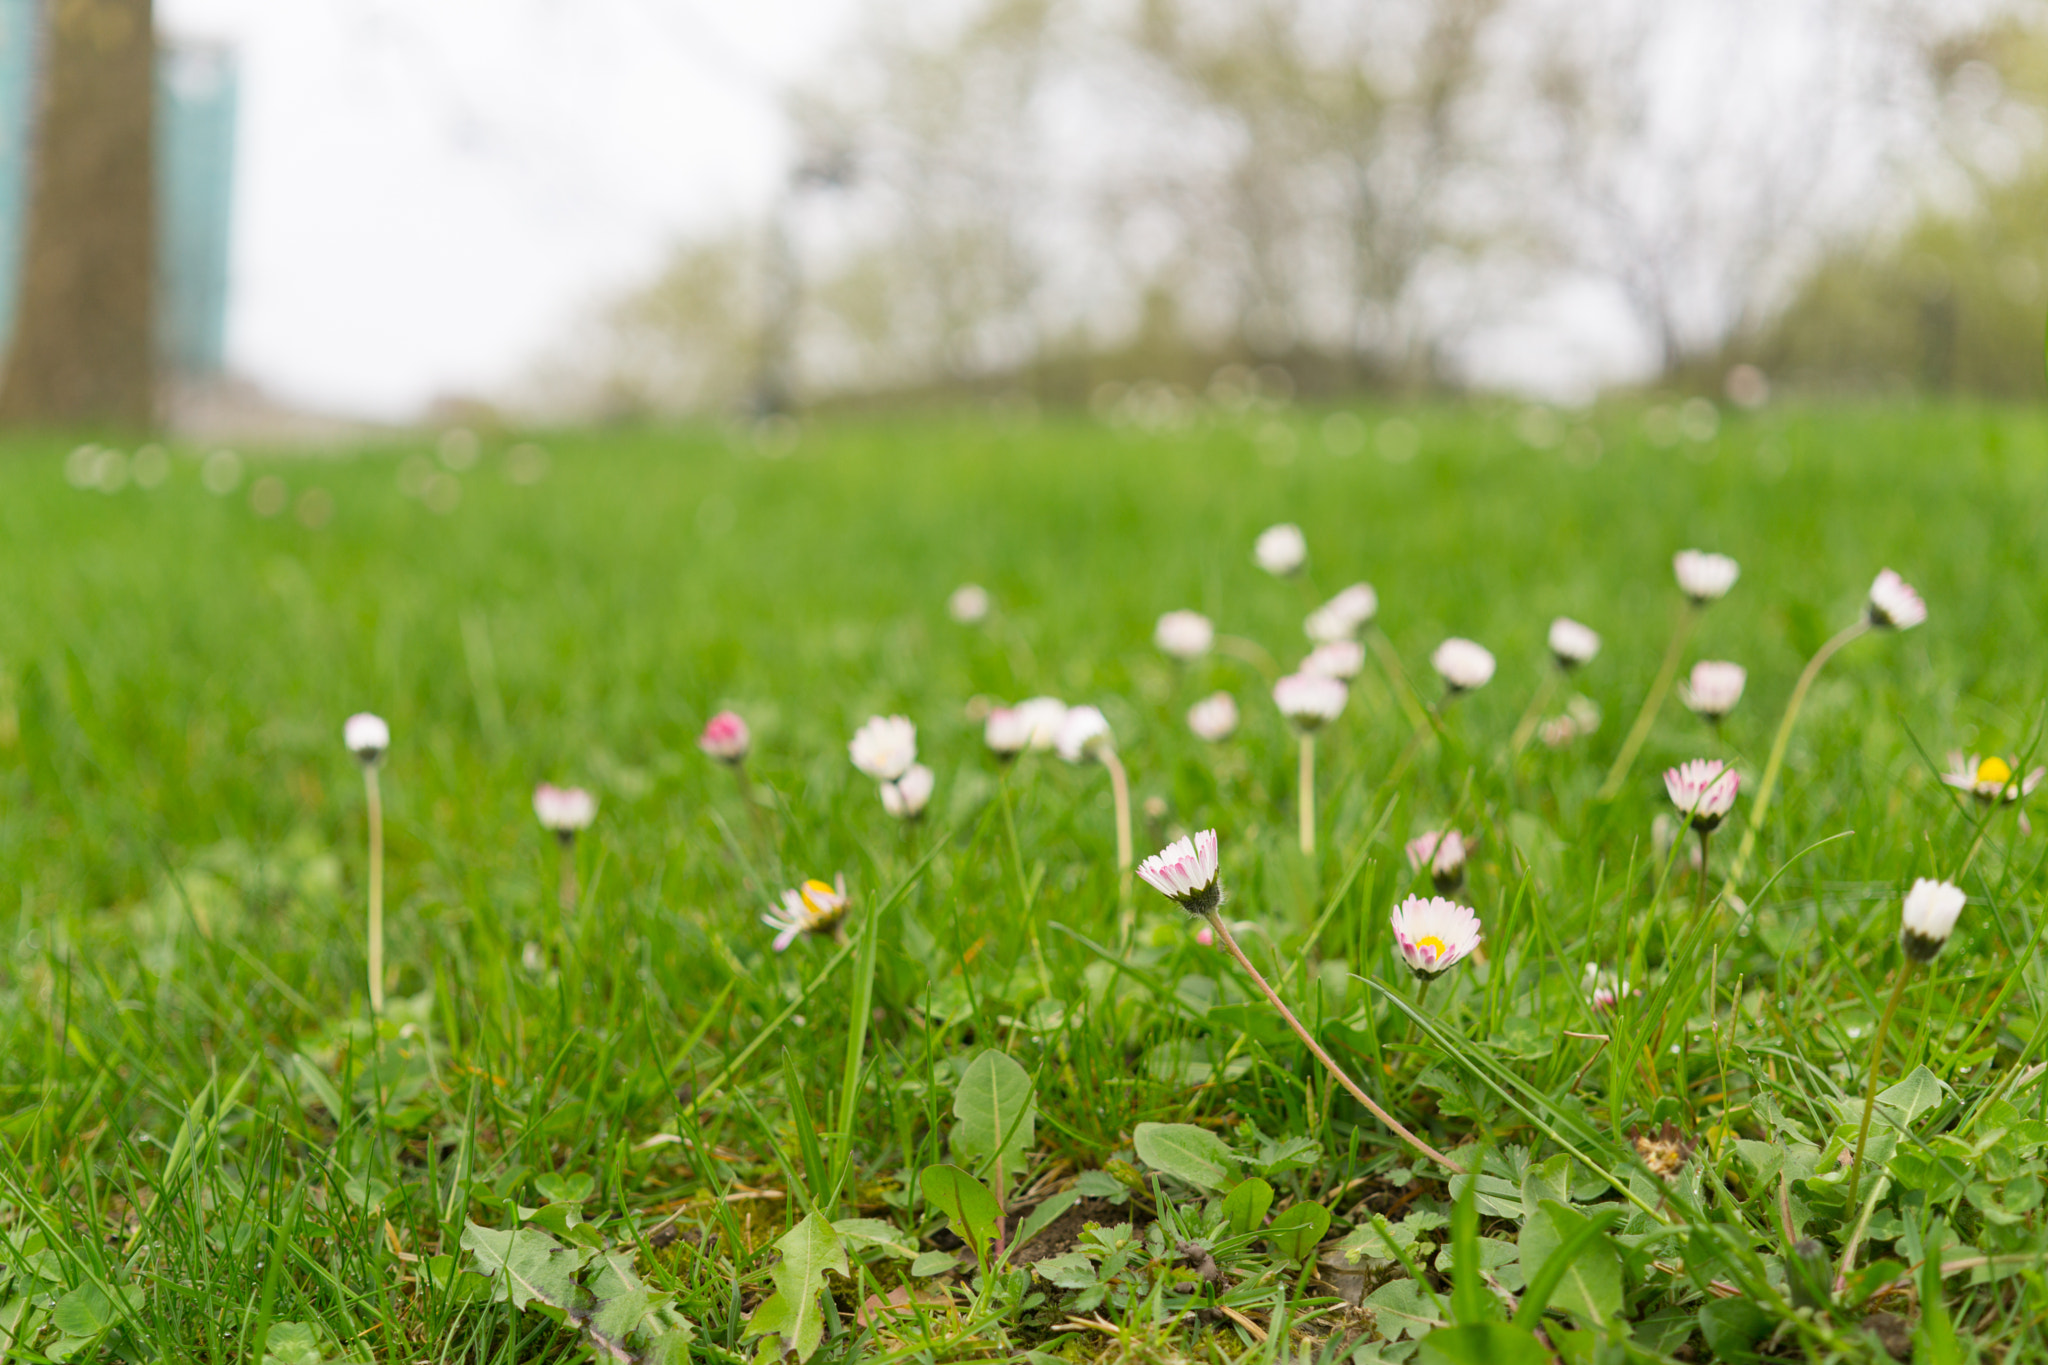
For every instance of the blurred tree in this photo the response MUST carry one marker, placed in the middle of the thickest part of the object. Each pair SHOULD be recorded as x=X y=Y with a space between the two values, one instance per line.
x=82 y=351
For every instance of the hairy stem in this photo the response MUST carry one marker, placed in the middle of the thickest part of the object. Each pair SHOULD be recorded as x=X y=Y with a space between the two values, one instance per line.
x=566 y=893
x=1667 y=672
x=1699 y=895
x=374 y=803
x=1768 y=783
x=1870 y=1088
x=1307 y=800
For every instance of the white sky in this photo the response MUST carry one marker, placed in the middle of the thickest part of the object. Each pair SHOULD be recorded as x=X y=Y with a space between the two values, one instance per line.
x=431 y=192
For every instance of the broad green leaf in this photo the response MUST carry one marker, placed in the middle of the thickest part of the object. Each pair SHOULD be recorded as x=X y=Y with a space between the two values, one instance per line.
x=292 y=1343
x=84 y=1312
x=1934 y=1340
x=1102 y=1185
x=569 y=1189
x=1400 y=1309
x=1483 y=1343
x=1589 y=1287
x=966 y=1202
x=1545 y=1276
x=997 y=1118
x=933 y=1263
x=793 y=1313
x=1733 y=1327
x=1296 y=1229
x=1468 y=1284
x=873 y=1232
x=1244 y=1208
x=525 y=1265
x=1918 y=1093
x=1193 y=1154
x=1551 y=1179
x=1071 y=1271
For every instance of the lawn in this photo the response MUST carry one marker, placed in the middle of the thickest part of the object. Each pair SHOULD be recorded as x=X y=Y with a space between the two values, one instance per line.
x=1015 y=1107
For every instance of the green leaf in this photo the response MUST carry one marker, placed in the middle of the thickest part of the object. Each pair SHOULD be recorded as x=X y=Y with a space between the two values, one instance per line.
x=525 y=1265
x=570 y=1189
x=84 y=1312
x=1244 y=1208
x=1934 y=1340
x=997 y=1116
x=1551 y=1270
x=933 y=1263
x=1400 y=1309
x=1733 y=1327
x=1186 y=1152
x=1071 y=1271
x=292 y=1343
x=1589 y=1284
x=792 y=1312
x=1920 y=1092
x=873 y=1232
x=966 y=1202
x=1043 y=1216
x=1468 y=1285
x=1295 y=1230
x=1483 y=1343
x=1102 y=1185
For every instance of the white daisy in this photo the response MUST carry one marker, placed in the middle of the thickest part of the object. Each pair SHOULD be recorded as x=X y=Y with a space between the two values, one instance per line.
x=885 y=747
x=1572 y=644
x=1186 y=870
x=813 y=908
x=905 y=798
x=1990 y=779
x=1343 y=616
x=1184 y=634
x=1894 y=604
x=1702 y=576
x=1084 y=734
x=563 y=810
x=366 y=736
x=1432 y=935
x=1703 y=789
x=1462 y=664
x=1929 y=917
x=1336 y=659
x=1214 y=717
x=1042 y=717
x=968 y=604
x=1310 y=700
x=1281 y=550
x=1713 y=689
x=1442 y=854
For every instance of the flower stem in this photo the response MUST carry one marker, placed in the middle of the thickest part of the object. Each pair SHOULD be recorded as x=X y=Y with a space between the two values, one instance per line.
x=1699 y=895
x=1870 y=1088
x=1769 y=782
x=1120 y=791
x=566 y=893
x=1222 y=932
x=1525 y=728
x=374 y=803
x=1667 y=672
x=1308 y=795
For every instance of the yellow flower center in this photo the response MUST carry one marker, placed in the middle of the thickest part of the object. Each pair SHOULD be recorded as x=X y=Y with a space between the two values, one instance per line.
x=1432 y=941
x=820 y=898
x=1994 y=771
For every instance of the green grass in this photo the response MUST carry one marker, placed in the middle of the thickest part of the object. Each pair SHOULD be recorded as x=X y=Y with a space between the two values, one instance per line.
x=202 y=1135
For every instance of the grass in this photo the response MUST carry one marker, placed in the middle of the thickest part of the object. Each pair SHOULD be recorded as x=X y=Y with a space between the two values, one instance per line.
x=210 y=1152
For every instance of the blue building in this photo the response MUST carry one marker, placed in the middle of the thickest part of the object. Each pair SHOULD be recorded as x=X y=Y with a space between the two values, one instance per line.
x=197 y=97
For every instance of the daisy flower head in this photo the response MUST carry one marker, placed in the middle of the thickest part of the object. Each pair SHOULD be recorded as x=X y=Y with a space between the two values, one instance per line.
x=563 y=811
x=1187 y=871
x=1894 y=605
x=1432 y=935
x=1214 y=717
x=1042 y=717
x=1464 y=665
x=813 y=908
x=1281 y=550
x=1343 y=616
x=1442 y=854
x=1336 y=659
x=1703 y=789
x=1310 y=700
x=1704 y=577
x=1084 y=734
x=1572 y=644
x=1007 y=732
x=726 y=737
x=1605 y=989
x=366 y=736
x=1713 y=689
x=1929 y=917
x=969 y=604
x=1990 y=779
x=885 y=747
x=1184 y=634
x=906 y=797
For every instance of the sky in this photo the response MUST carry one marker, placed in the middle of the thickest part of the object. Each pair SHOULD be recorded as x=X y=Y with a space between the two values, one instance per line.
x=431 y=194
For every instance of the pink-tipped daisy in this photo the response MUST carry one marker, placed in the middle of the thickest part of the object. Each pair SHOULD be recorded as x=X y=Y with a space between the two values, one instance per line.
x=1343 y=616
x=1572 y=644
x=726 y=737
x=813 y=908
x=906 y=797
x=1990 y=779
x=1713 y=689
x=1184 y=635
x=885 y=747
x=1007 y=731
x=1894 y=604
x=1214 y=717
x=1704 y=577
x=1310 y=700
x=563 y=811
x=1187 y=871
x=1441 y=853
x=1464 y=665
x=1336 y=659
x=1432 y=935
x=1704 y=790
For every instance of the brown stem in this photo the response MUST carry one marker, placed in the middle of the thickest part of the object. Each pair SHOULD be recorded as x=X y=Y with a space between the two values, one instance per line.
x=1222 y=932
x=1308 y=794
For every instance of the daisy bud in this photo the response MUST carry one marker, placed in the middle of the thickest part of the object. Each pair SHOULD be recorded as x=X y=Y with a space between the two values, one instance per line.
x=1894 y=604
x=1463 y=664
x=1604 y=989
x=1084 y=734
x=906 y=797
x=968 y=604
x=1336 y=659
x=1704 y=577
x=563 y=811
x=1713 y=689
x=1184 y=634
x=367 y=737
x=1432 y=935
x=1187 y=871
x=1442 y=854
x=1042 y=718
x=726 y=738
x=813 y=908
x=1007 y=731
x=1281 y=550
x=1572 y=644
x=1990 y=779
x=885 y=747
x=1310 y=700
x=1703 y=789
x=1929 y=917
x=1214 y=717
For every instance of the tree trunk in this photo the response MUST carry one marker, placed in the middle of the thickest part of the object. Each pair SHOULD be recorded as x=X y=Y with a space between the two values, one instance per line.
x=83 y=350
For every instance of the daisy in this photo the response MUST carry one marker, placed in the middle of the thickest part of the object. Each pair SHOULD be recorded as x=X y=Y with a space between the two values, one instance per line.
x=1184 y=635
x=813 y=908
x=1310 y=700
x=1186 y=871
x=885 y=747
x=1084 y=733
x=1713 y=689
x=906 y=797
x=1704 y=577
x=1343 y=616
x=1572 y=644
x=1336 y=659
x=1704 y=790
x=1894 y=604
x=968 y=604
x=1463 y=664
x=369 y=738
x=1041 y=718
x=1990 y=779
x=1605 y=989
x=1442 y=855
x=1214 y=717
x=1929 y=917
x=366 y=736
x=1007 y=731
x=726 y=738
x=1432 y=935
x=1281 y=550
x=563 y=811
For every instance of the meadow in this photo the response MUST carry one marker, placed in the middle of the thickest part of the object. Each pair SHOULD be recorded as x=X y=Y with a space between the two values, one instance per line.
x=1017 y=1108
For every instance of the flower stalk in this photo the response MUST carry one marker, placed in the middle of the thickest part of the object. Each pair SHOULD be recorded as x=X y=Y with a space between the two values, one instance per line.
x=373 y=806
x=1870 y=1086
x=1307 y=801
x=1767 y=785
